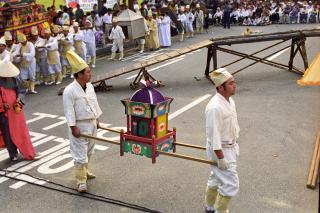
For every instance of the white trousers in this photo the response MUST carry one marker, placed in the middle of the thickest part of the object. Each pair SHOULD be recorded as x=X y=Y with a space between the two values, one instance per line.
x=117 y=45
x=54 y=68
x=82 y=148
x=227 y=181
x=189 y=28
x=28 y=73
x=91 y=49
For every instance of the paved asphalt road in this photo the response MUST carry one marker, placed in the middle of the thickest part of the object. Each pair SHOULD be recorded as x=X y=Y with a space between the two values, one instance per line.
x=278 y=121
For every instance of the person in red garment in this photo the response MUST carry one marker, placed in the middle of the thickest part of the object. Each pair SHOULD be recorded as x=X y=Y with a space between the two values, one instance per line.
x=13 y=125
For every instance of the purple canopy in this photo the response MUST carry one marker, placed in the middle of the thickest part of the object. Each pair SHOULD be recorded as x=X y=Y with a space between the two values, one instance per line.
x=147 y=95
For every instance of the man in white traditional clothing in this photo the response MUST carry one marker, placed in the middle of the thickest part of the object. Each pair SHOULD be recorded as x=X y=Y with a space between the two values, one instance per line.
x=82 y=111
x=117 y=36
x=40 y=55
x=53 y=58
x=66 y=44
x=199 y=16
x=189 y=21
x=107 y=22
x=164 y=27
x=10 y=45
x=24 y=57
x=182 y=18
x=4 y=53
x=90 y=41
x=222 y=131
x=142 y=41
x=78 y=39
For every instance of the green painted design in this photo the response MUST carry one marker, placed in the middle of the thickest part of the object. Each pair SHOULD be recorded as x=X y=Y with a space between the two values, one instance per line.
x=143 y=128
x=142 y=149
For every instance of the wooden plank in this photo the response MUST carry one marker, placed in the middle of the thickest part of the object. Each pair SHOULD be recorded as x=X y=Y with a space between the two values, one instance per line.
x=313 y=165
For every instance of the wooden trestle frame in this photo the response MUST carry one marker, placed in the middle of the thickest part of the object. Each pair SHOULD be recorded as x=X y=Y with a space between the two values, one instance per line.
x=297 y=38
x=175 y=155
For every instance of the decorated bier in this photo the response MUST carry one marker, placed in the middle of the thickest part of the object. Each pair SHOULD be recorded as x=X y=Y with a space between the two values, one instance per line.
x=147 y=124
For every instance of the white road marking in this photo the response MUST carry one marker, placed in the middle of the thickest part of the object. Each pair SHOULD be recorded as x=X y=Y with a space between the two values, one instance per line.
x=189 y=106
x=64 y=120
x=158 y=67
x=40 y=116
x=45 y=168
x=42 y=141
x=277 y=54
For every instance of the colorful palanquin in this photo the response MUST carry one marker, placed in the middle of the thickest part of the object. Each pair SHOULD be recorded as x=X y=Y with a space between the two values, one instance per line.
x=147 y=124
x=21 y=16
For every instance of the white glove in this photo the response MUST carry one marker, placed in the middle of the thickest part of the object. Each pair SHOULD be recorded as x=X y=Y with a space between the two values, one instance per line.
x=223 y=164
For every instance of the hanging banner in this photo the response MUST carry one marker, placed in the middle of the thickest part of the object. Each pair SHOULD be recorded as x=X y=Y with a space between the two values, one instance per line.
x=86 y=5
x=110 y=3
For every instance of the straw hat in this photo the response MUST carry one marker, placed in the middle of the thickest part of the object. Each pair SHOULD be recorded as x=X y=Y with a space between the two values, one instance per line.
x=7 y=69
x=219 y=76
x=65 y=28
x=75 y=24
x=7 y=36
x=34 y=30
x=21 y=37
x=198 y=5
x=76 y=62
x=2 y=41
x=55 y=29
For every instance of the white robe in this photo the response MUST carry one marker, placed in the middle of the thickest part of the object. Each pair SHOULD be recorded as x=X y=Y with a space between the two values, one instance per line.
x=222 y=131
x=81 y=109
x=69 y=40
x=199 y=18
x=164 y=31
x=90 y=41
x=117 y=36
x=189 y=22
x=80 y=37
x=26 y=73
x=182 y=18
x=5 y=56
x=42 y=65
x=52 y=45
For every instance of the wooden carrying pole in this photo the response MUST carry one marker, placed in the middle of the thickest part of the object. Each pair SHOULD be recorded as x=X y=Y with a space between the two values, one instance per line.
x=187 y=157
x=314 y=167
x=160 y=152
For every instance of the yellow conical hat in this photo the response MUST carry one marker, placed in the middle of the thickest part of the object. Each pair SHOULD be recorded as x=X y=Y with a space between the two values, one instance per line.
x=7 y=69
x=76 y=62
x=7 y=36
x=34 y=30
x=21 y=37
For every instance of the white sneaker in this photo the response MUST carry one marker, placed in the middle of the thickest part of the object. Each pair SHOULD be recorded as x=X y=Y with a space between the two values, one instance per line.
x=120 y=59
x=37 y=156
x=71 y=76
x=58 y=82
x=64 y=76
x=49 y=83
x=141 y=51
x=82 y=187
x=93 y=66
x=33 y=92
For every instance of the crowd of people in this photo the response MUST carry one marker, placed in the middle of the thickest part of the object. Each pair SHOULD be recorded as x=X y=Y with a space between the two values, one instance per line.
x=257 y=13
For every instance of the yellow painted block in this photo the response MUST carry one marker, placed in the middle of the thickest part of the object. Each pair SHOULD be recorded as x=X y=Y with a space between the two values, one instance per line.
x=161 y=126
x=311 y=76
